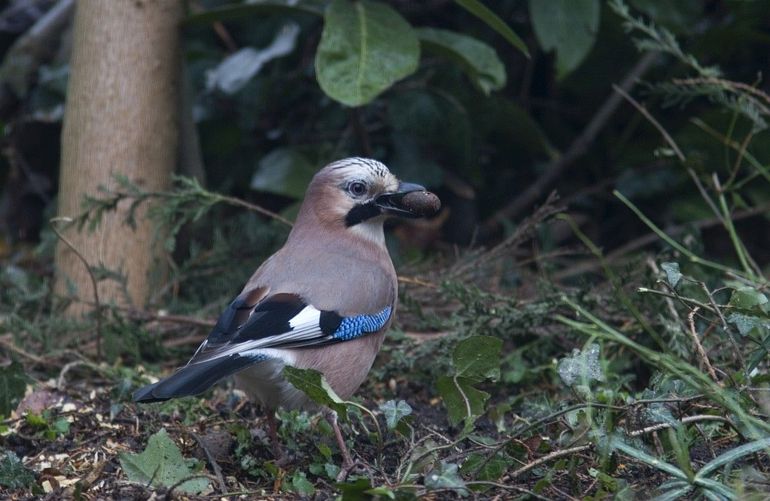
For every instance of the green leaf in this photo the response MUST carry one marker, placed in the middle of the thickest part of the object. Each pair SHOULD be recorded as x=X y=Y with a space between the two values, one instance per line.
x=478 y=358
x=284 y=172
x=673 y=275
x=567 y=26
x=582 y=367
x=747 y=323
x=13 y=473
x=474 y=359
x=13 y=383
x=480 y=468
x=394 y=411
x=300 y=484
x=461 y=399
x=354 y=491
x=477 y=59
x=315 y=386
x=491 y=19
x=747 y=298
x=446 y=476
x=365 y=47
x=161 y=464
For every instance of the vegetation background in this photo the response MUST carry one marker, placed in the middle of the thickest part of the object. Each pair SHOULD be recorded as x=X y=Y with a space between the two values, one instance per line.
x=587 y=317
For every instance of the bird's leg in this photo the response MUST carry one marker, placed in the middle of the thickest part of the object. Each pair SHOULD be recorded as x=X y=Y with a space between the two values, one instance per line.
x=272 y=431
x=347 y=460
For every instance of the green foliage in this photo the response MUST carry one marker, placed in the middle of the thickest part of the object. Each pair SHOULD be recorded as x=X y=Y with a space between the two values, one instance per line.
x=477 y=59
x=13 y=474
x=161 y=464
x=479 y=10
x=365 y=47
x=283 y=172
x=315 y=386
x=474 y=360
x=568 y=27
x=45 y=426
x=394 y=411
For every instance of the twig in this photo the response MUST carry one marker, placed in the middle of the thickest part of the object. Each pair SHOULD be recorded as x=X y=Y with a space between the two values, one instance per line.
x=684 y=420
x=212 y=462
x=549 y=457
x=91 y=276
x=698 y=346
x=10 y=346
x=256 y=208
x=578 y=147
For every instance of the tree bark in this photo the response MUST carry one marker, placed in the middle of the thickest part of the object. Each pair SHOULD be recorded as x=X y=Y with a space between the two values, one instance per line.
x=120 y=118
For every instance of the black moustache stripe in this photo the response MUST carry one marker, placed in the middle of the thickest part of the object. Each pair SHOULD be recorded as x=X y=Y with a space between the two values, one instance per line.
x=361 y=213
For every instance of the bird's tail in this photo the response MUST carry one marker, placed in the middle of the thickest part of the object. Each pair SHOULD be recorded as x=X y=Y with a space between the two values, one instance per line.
x=193 y=379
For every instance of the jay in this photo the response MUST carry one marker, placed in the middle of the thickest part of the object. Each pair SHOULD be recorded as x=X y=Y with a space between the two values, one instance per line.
x=323 y=301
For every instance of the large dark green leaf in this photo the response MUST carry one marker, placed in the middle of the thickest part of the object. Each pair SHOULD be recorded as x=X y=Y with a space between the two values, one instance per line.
x=568 y=27
x=365 y=47
x=492 y=20
x=476 y=58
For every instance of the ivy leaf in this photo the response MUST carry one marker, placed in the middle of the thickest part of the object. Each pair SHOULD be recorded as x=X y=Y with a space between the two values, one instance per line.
x=161 y=464
x=394 y=411
x=283 y=172
x=478 y=358
x=673 y=275
x=446 y=476
x=300 y=484
x=365 y=47
x=582 y=367
x=315 y=386
x=474 y=359
x=747 y=323
x=461 y=399
x=482 y=468
x=13 y=383
x=747 y=298
x=567 y=26
x=477 y=59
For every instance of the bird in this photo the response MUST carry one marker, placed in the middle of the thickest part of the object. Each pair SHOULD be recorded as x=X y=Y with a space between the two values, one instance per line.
x=323 y=301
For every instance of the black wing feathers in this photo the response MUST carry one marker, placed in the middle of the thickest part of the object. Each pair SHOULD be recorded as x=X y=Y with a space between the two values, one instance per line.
x=192 y=379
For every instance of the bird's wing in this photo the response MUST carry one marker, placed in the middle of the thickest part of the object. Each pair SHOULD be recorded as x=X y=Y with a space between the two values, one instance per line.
x=252 y=323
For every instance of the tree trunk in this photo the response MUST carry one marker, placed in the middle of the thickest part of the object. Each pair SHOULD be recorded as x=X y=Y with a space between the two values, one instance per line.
x=121 y=118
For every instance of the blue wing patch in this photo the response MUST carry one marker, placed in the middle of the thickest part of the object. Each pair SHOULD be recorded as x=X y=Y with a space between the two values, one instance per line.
x=357 y=326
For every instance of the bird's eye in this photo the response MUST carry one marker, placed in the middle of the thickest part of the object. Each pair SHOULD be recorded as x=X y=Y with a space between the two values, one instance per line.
x=357 y=188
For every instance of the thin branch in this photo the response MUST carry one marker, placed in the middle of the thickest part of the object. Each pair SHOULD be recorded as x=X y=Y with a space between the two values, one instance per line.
x=698 y=346
x=578 y=147
x=549 y=457
x=90 y=275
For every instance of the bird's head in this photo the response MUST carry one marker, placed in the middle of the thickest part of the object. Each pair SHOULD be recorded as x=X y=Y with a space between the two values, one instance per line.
x=359 y=193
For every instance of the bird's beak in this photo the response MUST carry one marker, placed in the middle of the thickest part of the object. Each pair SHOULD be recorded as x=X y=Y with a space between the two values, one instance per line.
x=391 y=203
